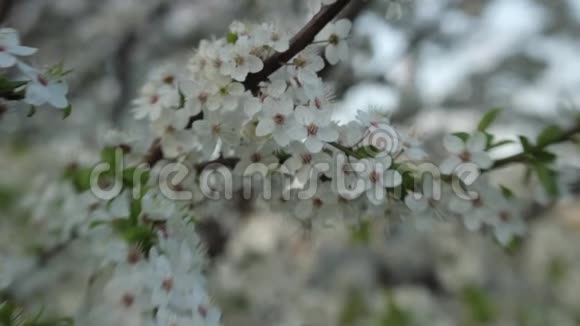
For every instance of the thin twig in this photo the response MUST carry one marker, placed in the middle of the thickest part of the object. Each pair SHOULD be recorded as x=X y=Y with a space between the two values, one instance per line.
x=522 y=157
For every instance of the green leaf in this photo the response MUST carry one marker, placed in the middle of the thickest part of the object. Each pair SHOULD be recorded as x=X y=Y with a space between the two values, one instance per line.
x=544 y=156
x=480 y=307
x=500 y=143
x=232 y=38
x=548 y=136
x=547 y=177
x=31 y=111
x=80 y=177
x=361 y=233
x=527 y=146
x=395 y=316
x=506 y=192
x=7 y=85
x=488 y=119
x=131 y=174
x=353 y=310
x=67 y=111
x=462 y=135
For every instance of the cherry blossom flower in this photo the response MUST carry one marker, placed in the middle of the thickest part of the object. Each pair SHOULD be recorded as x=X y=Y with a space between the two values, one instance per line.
x=239 y=62
x=317 y=130
x=255 y=157
x=153 y=100
x=303 y=163
x=227 y=95
x=43 y=89
x=277 y=119
x=378 y=177
x=472 y=151
x=214 y=128
x=10 y=48
x=335 y=34
x=305 y=66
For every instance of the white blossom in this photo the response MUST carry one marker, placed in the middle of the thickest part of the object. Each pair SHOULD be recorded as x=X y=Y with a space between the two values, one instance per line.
x=10 y=48
x=472 y=151
x=335 y=34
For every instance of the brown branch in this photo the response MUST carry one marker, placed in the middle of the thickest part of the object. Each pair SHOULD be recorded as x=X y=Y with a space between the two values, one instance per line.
x=300 y=41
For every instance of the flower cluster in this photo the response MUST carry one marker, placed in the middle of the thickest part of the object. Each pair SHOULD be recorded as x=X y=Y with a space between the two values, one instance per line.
x=284 y=128
x=34 y=87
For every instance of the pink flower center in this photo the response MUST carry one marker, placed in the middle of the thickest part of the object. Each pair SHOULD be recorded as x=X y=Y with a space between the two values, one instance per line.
x=216 y=129
x=374 y=176
x=42 y=80
x=256 y=157
x=2 y=49
x=167 y=285
x=312 y=129
x=279 y=119
x=127 y=300
x=306 y=158
x=465 y=156
x=334 y=39
x=317 y=202
x=202 y=97
x=504 y=216
x=154 y=99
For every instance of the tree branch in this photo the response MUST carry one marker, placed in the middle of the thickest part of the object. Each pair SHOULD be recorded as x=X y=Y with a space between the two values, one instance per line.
x=522 y=157
x=300 y=41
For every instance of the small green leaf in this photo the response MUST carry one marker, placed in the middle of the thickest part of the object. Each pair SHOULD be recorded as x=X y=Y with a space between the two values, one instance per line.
x=549 y=136
x=462 y=135
x=7 y=85
x=31 y=111
x=547 y=177
x=481 y=308
x=500 y=143
x=528 y=148
x=67 y=111
x=506 y=192
x=545 y=156
x=232 y=38
x=488 y=119
x=361 y=233
x=80 y=177
x=131 y=174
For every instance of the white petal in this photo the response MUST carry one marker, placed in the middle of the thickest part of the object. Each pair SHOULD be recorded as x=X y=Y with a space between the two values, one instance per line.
x=476 y=143
x=265 y=127
x=482 y=159
x=22 y=50
x=6 y=60
x=331 y=54
x=255 y=64
x=416 y=202
x=314 y=145
x=343 y=27
x=448 y=165
x=304 y=208
x=453 y=144
x=392 y=178
x=328 y=134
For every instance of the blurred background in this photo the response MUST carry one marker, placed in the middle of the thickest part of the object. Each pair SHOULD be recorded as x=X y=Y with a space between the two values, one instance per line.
x=436 y=65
